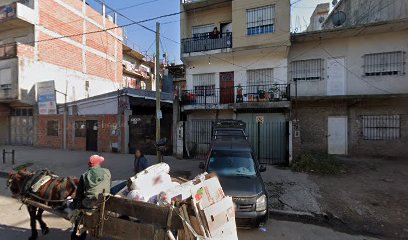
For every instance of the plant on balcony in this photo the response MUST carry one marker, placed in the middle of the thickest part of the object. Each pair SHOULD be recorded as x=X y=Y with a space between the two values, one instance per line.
x=188 y=98
x=240 y=97
x=274 y=93
x=261 y=94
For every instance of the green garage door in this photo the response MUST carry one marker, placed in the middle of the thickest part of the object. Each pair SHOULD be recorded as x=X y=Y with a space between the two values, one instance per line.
x=271 y=144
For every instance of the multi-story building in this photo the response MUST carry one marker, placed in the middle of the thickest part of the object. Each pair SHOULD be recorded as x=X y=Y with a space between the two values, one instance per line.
x=136 y=72
x=235 y=56
x=349 y=81
x=43 y=40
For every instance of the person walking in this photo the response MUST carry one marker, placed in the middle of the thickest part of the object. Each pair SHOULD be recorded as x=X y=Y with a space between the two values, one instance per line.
x=140 y=163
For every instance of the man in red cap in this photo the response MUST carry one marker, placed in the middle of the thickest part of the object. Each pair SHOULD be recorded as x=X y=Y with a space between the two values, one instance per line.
x=94 y=181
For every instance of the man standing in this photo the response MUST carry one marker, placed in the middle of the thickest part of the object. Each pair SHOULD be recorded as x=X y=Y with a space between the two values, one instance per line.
x=140 y=162
x=94 y=181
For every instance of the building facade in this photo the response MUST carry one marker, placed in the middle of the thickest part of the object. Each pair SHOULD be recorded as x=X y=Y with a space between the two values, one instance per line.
x=349 y=83
x=44 y=40
x=235 y=57
x=136 y=70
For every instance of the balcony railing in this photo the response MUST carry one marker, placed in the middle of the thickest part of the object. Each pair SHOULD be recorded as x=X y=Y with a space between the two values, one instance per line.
x=8 y=51
x=206 y=42
x=208 y=95
x=191 y=1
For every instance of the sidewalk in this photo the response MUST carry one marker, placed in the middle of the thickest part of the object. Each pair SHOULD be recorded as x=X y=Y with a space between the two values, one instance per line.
x=74 y=163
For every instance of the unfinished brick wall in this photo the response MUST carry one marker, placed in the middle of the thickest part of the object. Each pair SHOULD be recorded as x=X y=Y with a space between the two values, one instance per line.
x=106 y=135
x=102 y=58
x=25 y=50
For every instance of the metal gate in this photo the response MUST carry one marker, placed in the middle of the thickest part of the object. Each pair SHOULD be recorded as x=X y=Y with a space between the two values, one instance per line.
x=270 y=142
x=21 y=130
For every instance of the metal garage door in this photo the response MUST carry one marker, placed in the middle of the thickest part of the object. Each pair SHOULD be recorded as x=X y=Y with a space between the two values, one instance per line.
x=21 y=130
x=270 y=141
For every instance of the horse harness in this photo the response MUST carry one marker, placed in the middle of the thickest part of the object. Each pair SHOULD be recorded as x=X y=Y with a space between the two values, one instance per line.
x=33 y=185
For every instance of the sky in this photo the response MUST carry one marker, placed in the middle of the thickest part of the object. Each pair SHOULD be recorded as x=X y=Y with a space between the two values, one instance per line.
x=143 y=40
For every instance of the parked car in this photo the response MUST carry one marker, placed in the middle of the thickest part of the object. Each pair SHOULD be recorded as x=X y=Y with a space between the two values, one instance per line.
x=239 y=173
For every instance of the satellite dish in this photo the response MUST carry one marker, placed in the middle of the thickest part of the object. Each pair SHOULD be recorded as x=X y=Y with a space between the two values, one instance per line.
x=321 y=19
x=334 y=2
x=338 y=18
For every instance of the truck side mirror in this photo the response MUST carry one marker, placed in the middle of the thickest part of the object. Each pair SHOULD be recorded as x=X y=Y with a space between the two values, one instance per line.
x=262 y=168
x=201 y=165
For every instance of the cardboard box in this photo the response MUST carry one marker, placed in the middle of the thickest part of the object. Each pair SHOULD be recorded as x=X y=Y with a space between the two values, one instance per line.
x=208 y=192
x=220 y=219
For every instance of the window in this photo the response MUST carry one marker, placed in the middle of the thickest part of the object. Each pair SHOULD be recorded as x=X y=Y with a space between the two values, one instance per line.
x=202 y=31
x=22 y=112
x=260 y=20
x=5 y=78
x=380 y=64
x=381 y=127
x=260 y=77
x=311 y=69
x=80 y=129
x=204 y=84
x=52 y=128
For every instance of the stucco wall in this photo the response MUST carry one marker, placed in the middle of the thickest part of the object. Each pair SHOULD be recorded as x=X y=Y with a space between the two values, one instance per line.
x=352 y=49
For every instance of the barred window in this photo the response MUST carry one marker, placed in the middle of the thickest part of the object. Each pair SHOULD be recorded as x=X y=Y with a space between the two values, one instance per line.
x=387 y=63
x=305 y=70
x=260 y=20
x=80 y=129
x=381 y=127
x=204 y=84
x=260 y=77
x=52 y=128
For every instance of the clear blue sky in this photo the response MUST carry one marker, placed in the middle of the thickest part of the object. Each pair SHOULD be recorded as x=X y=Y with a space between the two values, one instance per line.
x=142 y=39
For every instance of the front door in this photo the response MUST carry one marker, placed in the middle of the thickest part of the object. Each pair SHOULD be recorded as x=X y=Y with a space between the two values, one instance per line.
x=226 y=87
x=92 y=135
x=336 y=76
x=337 y=135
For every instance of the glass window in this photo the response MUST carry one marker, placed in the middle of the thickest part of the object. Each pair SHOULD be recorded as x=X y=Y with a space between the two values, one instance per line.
x=230 y=163
x=311 y=69
x=388 y=63
x=80 y=129
x=260 y=20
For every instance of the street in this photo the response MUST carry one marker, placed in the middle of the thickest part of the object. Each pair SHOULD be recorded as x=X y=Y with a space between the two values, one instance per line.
x=14 y=224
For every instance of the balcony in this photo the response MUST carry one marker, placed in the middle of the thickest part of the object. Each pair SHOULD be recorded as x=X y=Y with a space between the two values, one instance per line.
x=256 y=96
x=205 y=42
x=17 y=14
x=8 y=51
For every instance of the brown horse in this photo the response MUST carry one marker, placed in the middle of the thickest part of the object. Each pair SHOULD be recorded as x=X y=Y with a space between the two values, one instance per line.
x=54 y=192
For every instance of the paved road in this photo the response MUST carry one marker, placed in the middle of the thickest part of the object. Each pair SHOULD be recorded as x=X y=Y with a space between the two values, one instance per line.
x=14 y=225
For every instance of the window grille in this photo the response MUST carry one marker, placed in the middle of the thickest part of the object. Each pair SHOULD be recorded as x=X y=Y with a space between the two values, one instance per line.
x=260 y=20
x=304 y=70
x=52 y=128
x=381 y=127
x=204 y=84
x=387 y=63
x=260 y=76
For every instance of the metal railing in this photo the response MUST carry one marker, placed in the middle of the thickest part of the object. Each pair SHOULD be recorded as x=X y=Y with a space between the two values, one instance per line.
x=191 y=1
x=206 y=42
x=208 y=95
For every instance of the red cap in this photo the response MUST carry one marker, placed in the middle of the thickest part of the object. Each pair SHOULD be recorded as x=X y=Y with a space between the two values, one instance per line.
x=95 y=160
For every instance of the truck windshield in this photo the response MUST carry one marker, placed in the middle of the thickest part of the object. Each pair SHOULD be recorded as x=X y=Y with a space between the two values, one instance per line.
x=228 y=163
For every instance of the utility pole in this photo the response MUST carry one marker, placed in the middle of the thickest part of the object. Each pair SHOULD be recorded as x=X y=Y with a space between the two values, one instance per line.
x=157 y=75
x=65 y=120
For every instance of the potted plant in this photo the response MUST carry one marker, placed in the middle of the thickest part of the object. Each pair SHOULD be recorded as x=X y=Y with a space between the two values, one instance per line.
x=274 y=93
x=240 y=97
x=261 y=94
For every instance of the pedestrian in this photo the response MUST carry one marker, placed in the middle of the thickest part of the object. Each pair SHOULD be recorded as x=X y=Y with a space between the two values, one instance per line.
x=215 y=33
x=140 y=163
x=94 y=181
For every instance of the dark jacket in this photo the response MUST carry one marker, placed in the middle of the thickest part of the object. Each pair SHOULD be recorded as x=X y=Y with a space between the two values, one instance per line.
x=140 y=164
x=92 y=183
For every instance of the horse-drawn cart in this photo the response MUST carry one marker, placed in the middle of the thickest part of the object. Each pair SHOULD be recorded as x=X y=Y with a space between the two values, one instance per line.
x=205 y=214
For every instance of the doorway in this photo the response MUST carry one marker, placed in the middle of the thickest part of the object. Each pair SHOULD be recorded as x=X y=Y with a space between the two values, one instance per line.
x=92 y=135
x=336 y=76
x=337 y=135
x=226 y=87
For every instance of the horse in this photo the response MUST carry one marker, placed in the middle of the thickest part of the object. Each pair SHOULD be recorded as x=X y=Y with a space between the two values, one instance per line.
x=53 y=191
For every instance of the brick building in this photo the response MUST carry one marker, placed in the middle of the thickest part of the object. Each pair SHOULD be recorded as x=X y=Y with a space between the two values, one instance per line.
x=43 y=40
